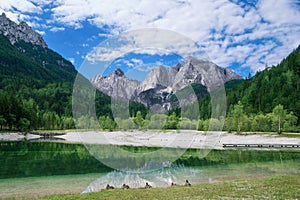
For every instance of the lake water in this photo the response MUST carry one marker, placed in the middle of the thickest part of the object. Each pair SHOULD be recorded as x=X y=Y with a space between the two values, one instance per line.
x=34 y=169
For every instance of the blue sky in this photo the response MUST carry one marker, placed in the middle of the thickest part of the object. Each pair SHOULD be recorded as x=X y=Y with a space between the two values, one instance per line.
x=138 y=65
x=242 y=35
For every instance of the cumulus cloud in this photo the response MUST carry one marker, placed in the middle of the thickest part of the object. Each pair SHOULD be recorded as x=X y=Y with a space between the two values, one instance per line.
x=240 y=30
x=24 y=10
x=146 y=41
x=251 y=33
x=18 y=10
x=20 y=5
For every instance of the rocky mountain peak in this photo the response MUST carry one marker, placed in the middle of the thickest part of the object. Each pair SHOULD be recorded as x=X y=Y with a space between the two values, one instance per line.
x=17 y=32
x=162 y=82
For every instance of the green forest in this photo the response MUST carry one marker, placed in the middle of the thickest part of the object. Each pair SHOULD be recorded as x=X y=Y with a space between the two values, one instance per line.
x=36 y=86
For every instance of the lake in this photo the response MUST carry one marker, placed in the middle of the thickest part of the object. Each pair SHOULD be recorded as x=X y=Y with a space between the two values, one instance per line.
x=35 y=168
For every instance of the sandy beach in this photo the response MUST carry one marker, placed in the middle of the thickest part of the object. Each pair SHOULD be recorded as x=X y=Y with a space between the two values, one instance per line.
x=182 y=138
x=17 y=136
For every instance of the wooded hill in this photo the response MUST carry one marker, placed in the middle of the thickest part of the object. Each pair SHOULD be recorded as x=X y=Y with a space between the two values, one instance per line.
x=255 y=101
x=273 y=86
x=35 y=83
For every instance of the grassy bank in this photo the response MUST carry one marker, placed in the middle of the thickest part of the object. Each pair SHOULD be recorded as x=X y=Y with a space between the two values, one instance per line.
x=282 y=187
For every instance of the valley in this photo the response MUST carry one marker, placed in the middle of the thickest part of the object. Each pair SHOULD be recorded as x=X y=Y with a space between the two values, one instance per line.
x=170 y=127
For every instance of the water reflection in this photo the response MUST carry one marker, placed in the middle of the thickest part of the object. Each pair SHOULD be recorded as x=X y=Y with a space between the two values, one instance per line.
x=162 y=177
x=31 y=167
x=30 y=159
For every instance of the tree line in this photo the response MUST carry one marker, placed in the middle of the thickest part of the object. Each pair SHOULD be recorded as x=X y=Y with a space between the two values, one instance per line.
x=17 y=113
x=25 y=114
x=237 y=120
x=49 y=108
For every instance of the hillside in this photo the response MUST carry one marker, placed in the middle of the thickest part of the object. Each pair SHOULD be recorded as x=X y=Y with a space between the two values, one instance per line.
x=267 y=102
x=273 y=86
x=25 y=63
x=24 y=56
x=36 y=83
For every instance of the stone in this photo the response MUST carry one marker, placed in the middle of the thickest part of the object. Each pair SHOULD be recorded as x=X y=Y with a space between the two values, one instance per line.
x=162 y=83
x=17 y=32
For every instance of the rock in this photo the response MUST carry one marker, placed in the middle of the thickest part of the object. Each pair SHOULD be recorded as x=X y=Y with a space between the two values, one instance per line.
x=204 y=72
x=163 y=83
x=159 y=76
x=117 y=85
x=17 y=32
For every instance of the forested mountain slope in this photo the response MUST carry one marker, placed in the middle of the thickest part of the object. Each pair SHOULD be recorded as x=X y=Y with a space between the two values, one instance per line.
x=25 y=63
x=273 y=86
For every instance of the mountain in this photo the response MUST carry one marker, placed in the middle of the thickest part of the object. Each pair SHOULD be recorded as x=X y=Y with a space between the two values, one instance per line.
x=25 y=55
x=117 y=85
x=20 y=32
x=162 y=83
x=36 y=83
x=274 y=85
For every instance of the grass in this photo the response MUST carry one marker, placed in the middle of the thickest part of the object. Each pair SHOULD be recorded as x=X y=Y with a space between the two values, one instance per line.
x=281 y=187
x=291 y=135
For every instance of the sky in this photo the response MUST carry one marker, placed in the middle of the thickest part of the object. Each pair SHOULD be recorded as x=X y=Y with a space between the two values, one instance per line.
x=244 y=35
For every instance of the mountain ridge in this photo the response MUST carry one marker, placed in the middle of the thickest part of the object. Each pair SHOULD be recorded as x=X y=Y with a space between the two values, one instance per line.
x=24 y=53
x=17 y=32
x=162 y=82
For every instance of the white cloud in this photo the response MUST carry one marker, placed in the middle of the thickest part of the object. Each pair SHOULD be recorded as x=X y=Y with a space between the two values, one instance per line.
x=24 y=6
x=196 y=19
x=146 y=41
x=42 y=2
x=22 y=10
x=40 y=32
x=56 y=29
x=137 y=61
x=279 y=12
x=230 y=31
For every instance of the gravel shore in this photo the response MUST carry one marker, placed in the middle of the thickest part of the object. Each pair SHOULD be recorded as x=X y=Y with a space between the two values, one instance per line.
x=17 y=136
x=182 y=138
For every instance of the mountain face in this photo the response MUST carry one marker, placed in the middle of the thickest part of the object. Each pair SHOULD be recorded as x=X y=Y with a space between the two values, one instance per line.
x=163 y=83
x=192 y=71
x=24 y=55
x=117 y=85
x=17 y=32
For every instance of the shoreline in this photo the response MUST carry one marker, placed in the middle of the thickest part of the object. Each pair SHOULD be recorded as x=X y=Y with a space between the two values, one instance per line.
x=16 y=136
x=251 y=187
x=181 y=139
x=170 y=138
